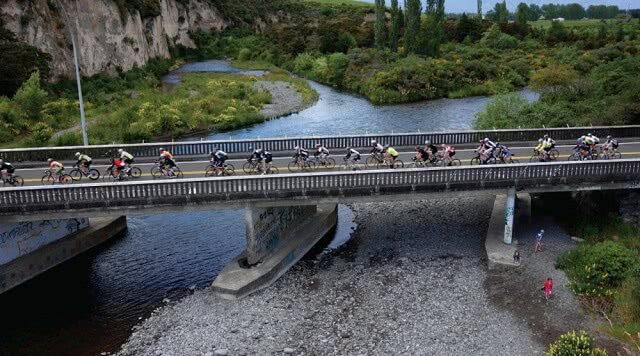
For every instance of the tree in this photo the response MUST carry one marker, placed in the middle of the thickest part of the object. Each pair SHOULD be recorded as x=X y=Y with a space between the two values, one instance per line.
x=381 y=25
x=522 y=14
x=412 y=25
x=554 y=77
x=396 y=25
x=30 y=98
x=433 y=29
x=534 y=12
x=500 y=13
x=480 y=8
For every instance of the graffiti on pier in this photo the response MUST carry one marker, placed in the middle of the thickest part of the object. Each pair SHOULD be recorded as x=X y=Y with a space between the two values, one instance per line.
x=20 y=239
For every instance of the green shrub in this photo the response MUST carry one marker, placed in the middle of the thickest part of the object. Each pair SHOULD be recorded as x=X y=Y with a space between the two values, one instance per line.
x=574 y=344
x=245 y=54
x=503 y=111
x=495 y=38
x=68 y=139
x=41 y=133
x=627 y=300
x=30 y=98
x=596 y=269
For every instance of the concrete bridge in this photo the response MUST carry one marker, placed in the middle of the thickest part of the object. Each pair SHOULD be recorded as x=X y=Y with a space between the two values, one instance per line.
x=287 y=214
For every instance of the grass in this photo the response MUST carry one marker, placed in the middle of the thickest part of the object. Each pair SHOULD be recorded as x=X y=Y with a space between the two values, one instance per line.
x=629 y=333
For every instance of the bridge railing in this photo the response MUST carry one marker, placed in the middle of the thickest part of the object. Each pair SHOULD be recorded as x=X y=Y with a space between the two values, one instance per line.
x=201 y=148
x=113 y=195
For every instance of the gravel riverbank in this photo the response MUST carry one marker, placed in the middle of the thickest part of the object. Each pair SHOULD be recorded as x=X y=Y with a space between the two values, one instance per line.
x=410 y=281
x=285 y=99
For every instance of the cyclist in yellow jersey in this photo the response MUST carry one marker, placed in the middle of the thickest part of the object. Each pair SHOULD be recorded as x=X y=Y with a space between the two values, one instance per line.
x=391 y=152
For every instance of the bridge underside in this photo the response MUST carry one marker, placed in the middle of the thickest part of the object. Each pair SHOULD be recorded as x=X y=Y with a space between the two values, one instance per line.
x=132 y=207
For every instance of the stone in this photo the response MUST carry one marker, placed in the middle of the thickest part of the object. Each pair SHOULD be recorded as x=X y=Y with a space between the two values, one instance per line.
x=221 y=352
x=288 y=350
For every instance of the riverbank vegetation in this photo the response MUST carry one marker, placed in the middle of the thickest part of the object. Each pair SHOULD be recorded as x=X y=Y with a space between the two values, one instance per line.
x=604 y=270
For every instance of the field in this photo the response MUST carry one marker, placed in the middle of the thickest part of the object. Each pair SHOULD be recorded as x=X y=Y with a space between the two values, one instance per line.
x=544 y=24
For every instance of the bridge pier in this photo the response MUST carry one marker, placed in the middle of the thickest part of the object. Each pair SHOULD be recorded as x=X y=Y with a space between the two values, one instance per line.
x=277 y=238
x=30 y=248
x=499 y=243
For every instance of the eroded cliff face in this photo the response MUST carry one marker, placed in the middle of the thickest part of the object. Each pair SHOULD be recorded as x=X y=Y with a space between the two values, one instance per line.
x=107 y=39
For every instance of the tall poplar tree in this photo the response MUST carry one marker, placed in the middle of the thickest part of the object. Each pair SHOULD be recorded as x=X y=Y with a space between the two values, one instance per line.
x=412 y=25
x=396 y=24
x=480 y=8
x=380 y=25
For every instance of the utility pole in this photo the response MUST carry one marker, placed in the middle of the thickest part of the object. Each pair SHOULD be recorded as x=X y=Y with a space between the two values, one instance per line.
x=480 y=9
x=83 y=121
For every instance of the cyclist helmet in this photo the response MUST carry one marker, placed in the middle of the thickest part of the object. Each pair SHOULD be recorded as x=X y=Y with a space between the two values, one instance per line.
x=546 y=136
x=348 y=148
x=120 y=150
x=77 y=154
x=318 y=145
x=427 y=142
x=296 y=148
x=609 y=137
x=589 y=134
x=374 y=142
x=49 y=160
x=583 y=137
x=444 y=145
x=161 y=150
x=486 y=139
x=386 y=146
x=540 y=140
x=417 y=148
x=216 y=149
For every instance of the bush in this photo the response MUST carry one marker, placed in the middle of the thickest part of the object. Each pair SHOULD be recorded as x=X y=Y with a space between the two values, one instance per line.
x=627 y=300
x=30 y=98
x=574 y=344
x=245 y=54
x=596 y=269
x=41 y=133
x=494 y=38
x=503 y=111
x=554 y=77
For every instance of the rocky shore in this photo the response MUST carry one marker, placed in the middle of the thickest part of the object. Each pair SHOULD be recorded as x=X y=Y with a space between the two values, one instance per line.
x=413 y=280
x=285 y=99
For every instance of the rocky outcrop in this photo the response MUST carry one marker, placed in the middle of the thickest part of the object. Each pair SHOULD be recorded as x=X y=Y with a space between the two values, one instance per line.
x=108 y=39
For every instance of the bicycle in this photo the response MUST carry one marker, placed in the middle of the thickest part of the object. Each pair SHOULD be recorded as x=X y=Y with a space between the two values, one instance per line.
x=478 y=161
x=441 y=161
x=251 y=166
x=374 y=159
x=50 y=178
x=269 y=169
x=350 y=164
x=160 y=170
x=612 y=153
x=12 y=180
x=301 y=164
x=324 y=162
x=389 y=163
x=227 y=169
x=132 y=172
x=578 y=156
x=83 y=171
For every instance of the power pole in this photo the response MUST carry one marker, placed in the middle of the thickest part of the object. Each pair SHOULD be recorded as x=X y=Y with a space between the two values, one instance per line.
x=480 y=9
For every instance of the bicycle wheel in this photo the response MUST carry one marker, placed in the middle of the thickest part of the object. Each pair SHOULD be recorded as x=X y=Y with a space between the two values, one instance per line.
x=177 y=172
x=309 y=165
x=48 y=180
x=248 y=167
x=616 y=155
x=534 y=158
x=513 y=161
x=398 y=164
x=456 y=162
x=228 y=171
x=65 y=179
x=76 y=174
x=210 y=171
x=554 y=154
x=329 y=163
x=156 y=172
x=230 y=167
x=135 y=172
x=272 y=170
x=15 y=181
x=475 y=161
x=93 y=174
x=294 y=167
x=372 y=161
x=492 y=160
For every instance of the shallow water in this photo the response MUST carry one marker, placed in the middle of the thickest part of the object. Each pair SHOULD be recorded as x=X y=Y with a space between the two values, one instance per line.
x=90 y=304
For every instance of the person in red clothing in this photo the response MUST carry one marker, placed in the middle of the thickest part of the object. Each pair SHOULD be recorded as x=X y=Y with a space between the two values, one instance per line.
x=548 y=288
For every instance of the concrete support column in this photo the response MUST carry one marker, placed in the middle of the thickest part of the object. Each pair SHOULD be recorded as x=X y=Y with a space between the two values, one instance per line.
x=509 y=212
x=277 y=237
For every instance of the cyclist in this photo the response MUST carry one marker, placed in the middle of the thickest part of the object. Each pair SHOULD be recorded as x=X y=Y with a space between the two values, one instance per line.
x=6 y=168
x=431 y=150
x=504 y=153
x=117 y=165
x=301 y=153
x=591 y=141
x=84 y=161
x=611 y=145
x=266 y=157
x=377 y=148
x=391 y=154
x=352 y=154
x=421 y=155
x=551 y=143
x=55 y=166
x=321 y=151
x=126 y=157
x=218 y=157
x=166 y=159
x=489 y=148
x=584 y=149
x=447 y=153
x=256 y=154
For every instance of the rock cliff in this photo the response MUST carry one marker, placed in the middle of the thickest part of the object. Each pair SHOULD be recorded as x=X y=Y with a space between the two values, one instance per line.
x=108 y=38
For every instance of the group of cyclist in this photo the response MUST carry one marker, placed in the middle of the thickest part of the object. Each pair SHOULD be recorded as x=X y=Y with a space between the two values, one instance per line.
x=431 y=154
x=586 y=146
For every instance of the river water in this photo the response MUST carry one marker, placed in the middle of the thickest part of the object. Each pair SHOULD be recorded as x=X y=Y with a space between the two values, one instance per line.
x=89 y=305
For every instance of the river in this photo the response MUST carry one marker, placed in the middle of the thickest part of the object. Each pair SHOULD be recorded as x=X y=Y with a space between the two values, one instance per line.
x=89 y=305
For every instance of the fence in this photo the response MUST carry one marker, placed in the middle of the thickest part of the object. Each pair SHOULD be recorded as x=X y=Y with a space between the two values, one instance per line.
x=201 y=148
x=106 y=195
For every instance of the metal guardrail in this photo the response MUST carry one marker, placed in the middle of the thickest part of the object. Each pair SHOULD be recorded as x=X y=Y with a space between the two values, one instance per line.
x=113 y=195
x=201 y=148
